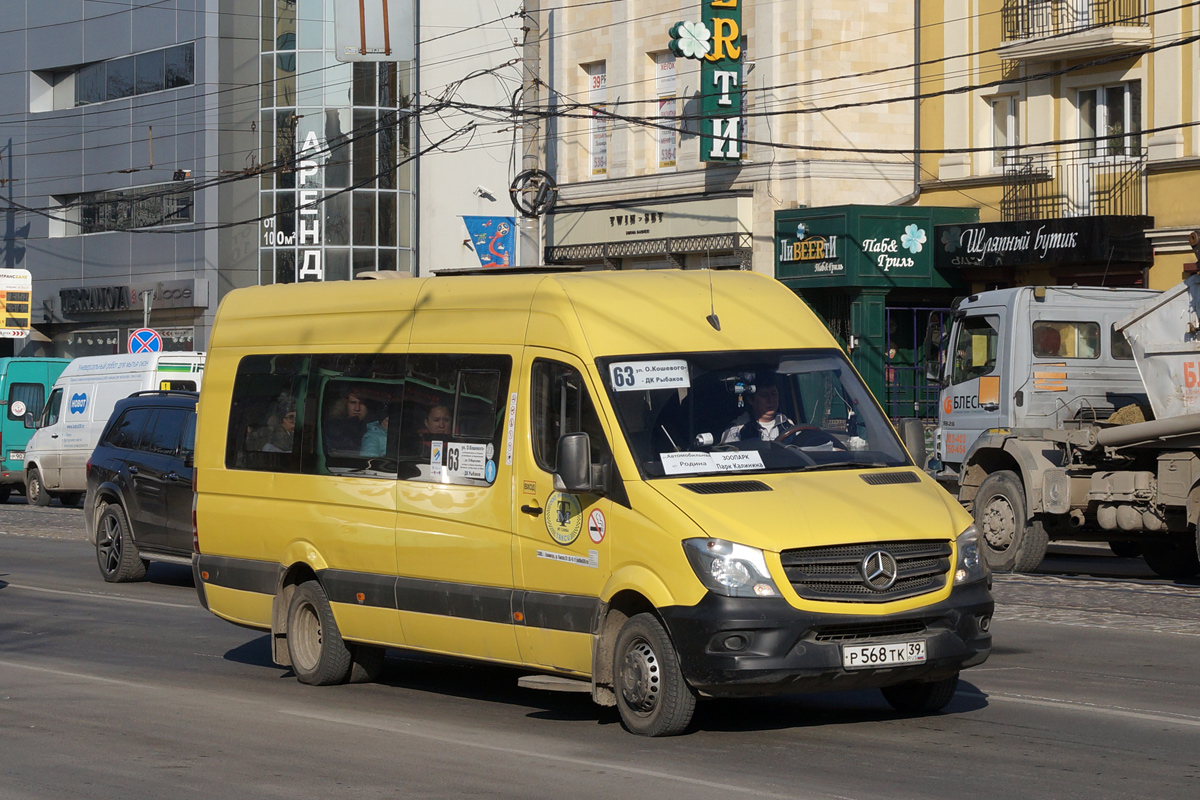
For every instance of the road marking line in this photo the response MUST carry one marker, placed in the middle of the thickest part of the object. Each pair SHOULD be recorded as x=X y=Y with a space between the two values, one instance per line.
x=571 y=760
x=100 y=596
x=1073 y=705
x=62 y=673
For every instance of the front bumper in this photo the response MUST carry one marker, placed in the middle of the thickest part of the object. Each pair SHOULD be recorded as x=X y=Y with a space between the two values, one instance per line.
x=788 y=650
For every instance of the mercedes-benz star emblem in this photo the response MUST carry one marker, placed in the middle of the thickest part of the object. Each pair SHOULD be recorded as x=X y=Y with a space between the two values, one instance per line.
x=879 y=570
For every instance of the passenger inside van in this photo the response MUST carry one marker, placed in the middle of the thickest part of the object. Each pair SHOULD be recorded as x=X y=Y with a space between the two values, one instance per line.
x=763 y=419
x=345 y=423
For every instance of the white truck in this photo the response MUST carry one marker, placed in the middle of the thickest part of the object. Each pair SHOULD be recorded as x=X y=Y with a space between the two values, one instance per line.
x=1071 y=413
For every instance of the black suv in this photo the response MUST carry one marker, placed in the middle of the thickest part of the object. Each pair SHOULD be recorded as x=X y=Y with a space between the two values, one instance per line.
x=139 y=484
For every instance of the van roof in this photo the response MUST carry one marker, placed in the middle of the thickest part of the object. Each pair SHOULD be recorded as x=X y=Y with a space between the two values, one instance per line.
x=129 y=362
x=605 y=313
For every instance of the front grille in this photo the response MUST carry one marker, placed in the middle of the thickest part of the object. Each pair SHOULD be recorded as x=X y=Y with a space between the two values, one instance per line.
x=886 y=478
x=869 y=630
x=728 y=487
x=833 y=573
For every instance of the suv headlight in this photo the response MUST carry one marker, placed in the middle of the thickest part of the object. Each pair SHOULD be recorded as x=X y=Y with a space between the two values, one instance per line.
x=972 y=566
x=730 y=569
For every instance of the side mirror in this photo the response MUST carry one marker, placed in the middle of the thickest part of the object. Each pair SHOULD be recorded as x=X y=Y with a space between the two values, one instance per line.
x=576 y=473
x=30 y=422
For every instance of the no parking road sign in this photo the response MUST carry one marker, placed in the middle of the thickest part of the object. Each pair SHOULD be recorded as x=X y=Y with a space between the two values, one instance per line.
x=145 y=340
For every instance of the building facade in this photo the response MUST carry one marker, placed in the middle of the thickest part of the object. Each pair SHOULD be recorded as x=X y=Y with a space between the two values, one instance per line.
x=1073 y=126
x=155 y=155
x=638 y=135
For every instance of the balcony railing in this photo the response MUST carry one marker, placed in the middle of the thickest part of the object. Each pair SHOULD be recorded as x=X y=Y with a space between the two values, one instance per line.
x=1098 y=179
x=1031 y=19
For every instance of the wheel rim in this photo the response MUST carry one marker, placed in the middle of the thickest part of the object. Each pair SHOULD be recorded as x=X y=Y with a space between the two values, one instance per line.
x=35 y=488
x=108 y=544
x=999 y=523
x=641 y=678
x=306 y=637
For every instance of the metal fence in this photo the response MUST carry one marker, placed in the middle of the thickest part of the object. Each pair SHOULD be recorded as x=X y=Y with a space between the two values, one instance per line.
x=1030 y=19
x=1077 y=184
x=917 y=338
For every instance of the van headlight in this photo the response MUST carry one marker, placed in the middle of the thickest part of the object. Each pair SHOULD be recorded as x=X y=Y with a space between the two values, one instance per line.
x=730 y=569
x=971 y=564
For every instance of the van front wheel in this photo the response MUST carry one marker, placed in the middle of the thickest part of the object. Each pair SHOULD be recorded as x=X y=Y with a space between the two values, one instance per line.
x=921 y=698
x=652 y=695
x=35 y=489
x=319 y=656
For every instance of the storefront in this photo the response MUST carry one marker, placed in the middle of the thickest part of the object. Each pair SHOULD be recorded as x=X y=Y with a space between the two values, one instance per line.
x=1088 y=251
x=869 y=273
x=713 y=232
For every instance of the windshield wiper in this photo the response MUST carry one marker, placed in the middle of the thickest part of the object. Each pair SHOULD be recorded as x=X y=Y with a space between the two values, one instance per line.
x=845 y=464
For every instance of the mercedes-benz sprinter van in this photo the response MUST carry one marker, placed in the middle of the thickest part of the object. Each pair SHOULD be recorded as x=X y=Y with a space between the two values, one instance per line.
x=662 y=485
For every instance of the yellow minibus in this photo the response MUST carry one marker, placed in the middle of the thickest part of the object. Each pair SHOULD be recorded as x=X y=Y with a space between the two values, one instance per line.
x=660 y=485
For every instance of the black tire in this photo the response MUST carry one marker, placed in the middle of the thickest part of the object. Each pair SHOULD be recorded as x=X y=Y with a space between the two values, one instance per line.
x=35 y=489
x=70 y=499
x=921 y=698
x=5 y=492
x=116 y=554
x=319 y=656
x=1011 y=542
x=366 y=662
x=1174 y=558
x=652 y=695
x=1125 y=549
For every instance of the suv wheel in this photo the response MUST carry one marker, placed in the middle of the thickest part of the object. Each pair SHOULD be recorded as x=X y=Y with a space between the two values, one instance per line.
x=116 y=554
x=35 y=489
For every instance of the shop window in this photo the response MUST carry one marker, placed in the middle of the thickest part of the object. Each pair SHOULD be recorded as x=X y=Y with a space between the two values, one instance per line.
x=975 y=348
x=126 y=209
x=1110 y=119
x=94 y=343
x=1066 y=339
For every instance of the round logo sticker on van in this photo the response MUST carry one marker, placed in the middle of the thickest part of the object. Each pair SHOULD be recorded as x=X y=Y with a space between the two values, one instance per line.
x=564 y=517
x=17 y=408
x=78 y=403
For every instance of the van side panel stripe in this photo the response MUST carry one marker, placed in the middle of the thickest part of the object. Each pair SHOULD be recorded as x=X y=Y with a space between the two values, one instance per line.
x=560 y=612
x=241 y=573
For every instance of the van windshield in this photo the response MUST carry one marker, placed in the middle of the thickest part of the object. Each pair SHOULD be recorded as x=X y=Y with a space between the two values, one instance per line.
x=746 y=412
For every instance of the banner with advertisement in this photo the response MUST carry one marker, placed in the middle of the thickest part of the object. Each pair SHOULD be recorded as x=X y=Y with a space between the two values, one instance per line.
x=494 y=239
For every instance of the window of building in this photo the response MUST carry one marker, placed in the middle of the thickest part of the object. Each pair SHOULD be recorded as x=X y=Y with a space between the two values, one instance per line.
x=1110 y=119
x=103 y=342
x=598 y=135
x=125 y=209
x=1066 y=339
x=1005 y=130
x=664 y=84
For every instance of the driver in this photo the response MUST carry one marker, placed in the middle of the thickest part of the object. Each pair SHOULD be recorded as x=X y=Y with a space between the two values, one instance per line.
x=763 y=420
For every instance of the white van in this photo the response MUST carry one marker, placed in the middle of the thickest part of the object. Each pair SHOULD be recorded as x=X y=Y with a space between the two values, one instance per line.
x=80 y=403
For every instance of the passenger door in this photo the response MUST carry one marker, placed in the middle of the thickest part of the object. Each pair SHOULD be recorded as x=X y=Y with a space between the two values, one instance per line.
x=46 y=442
x=562 y=549
x=978 y=396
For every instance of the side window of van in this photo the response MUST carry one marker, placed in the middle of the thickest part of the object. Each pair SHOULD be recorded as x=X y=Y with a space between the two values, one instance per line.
x=51 y=411
x=26 y=398
x=452 y=419
x=357 y=400
x=561 y=404
x=126 y=432
x=268 y=427
x=1066 y=339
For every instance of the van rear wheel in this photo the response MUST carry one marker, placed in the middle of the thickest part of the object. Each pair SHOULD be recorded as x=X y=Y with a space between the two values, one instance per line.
x=35 y=489
x=1176 y=558
x=652 y=695
x=319 y=656
x=70 y=499
x=1012 y=542
x=921 y=698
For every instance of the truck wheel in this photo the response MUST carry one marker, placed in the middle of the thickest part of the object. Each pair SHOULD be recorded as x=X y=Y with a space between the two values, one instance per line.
x=35 y=489
x=921 y=698
x=1174 y=558
x=1012 y=543
x=1125 y=549
x=319 y=656
x=652 y=695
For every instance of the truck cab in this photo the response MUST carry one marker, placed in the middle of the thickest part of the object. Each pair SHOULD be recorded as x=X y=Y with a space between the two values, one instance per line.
x=1033 y=357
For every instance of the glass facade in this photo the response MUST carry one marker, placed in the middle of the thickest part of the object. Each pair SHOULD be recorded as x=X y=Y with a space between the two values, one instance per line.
x=335 y=187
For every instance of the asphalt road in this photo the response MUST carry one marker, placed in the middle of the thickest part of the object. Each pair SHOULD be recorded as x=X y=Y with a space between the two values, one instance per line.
x=133 y=691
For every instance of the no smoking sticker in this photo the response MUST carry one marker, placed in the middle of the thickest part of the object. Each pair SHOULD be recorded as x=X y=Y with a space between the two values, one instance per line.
x=596 y=526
